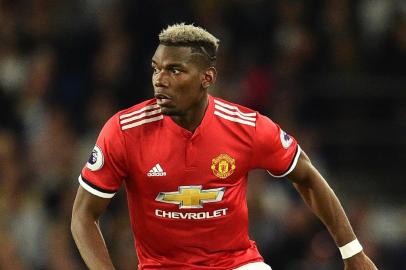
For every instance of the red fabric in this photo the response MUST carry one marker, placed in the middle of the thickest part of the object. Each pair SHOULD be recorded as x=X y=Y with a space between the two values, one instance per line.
x=214 y=236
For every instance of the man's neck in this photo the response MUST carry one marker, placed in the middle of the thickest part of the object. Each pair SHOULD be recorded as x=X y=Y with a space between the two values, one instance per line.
x=192 y=119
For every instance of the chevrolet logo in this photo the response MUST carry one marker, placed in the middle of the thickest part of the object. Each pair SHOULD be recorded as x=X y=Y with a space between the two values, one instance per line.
x=191 y=196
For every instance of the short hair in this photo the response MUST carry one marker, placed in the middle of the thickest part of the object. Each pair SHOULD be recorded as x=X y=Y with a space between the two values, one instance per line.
x=195 y=37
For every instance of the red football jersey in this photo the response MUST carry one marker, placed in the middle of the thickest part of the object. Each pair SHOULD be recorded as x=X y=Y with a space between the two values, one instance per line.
x=187 y=191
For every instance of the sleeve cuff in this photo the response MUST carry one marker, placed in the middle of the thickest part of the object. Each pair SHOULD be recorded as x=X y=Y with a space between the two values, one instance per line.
x=94 y=189
x=292 y=165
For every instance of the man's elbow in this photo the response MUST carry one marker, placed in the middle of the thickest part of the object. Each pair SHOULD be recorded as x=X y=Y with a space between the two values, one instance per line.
x=74 y=224
x=77 y=223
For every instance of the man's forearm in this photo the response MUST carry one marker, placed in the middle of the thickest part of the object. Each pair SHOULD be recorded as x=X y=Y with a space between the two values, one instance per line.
x=91 y=245
x=324 y=203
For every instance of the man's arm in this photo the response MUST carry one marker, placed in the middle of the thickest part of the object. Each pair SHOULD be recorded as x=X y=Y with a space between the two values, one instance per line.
x=321 y=199
x=87 y=209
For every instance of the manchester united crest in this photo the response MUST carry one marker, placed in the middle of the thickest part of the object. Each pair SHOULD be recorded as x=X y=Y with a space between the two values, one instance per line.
x=223 y=166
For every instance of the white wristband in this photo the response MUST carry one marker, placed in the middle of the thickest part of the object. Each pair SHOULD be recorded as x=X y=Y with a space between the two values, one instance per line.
x=350 y=249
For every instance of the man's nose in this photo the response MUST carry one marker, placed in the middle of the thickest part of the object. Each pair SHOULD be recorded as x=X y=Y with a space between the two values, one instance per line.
x=160 y=79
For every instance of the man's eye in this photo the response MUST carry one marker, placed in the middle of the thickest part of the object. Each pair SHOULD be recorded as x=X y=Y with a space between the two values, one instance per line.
x=155 y=70
x=175 y=71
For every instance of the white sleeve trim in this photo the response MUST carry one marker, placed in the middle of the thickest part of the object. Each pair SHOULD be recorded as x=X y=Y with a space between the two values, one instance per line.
x=95 y=191
x=296 y=158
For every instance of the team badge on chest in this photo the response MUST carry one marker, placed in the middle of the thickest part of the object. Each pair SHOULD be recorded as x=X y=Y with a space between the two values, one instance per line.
x=223 y=166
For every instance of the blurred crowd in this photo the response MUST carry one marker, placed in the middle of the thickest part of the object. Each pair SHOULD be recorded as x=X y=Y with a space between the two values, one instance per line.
x=67 y=66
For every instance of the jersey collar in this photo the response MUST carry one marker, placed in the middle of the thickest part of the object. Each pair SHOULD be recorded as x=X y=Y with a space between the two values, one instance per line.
x=208 y=115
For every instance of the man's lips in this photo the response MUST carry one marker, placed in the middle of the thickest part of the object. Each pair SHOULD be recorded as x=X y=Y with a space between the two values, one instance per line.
x=162 y=99
x=162 y=96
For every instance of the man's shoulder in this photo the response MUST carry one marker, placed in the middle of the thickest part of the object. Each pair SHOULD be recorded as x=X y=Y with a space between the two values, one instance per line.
x=142 y=106
x=234 y=112
x=139 y=114
x=232 y=105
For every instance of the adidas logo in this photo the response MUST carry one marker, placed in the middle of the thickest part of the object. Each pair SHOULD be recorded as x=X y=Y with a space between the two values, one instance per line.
x=156 y=171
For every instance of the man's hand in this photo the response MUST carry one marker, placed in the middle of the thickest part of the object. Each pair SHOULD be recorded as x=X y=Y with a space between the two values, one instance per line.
x=359 y=261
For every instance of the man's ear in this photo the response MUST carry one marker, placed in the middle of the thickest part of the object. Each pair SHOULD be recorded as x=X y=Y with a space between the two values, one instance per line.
x=209 y=77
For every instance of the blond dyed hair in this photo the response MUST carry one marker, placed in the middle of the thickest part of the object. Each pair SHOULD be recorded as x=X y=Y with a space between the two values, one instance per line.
x=195 y=37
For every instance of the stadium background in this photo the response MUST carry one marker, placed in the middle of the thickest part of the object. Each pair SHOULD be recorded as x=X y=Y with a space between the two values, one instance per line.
x=331 y=72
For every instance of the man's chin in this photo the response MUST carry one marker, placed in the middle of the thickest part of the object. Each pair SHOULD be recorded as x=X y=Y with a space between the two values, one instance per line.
x=169 y=111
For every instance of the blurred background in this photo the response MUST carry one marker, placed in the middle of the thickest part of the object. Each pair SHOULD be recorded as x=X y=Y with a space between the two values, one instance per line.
x=331 y=73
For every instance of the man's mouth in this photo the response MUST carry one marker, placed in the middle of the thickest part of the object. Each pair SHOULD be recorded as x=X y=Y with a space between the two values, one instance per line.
x=162 y=99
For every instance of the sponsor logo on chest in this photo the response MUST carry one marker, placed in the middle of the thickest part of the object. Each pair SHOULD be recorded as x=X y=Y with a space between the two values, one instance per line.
x=191 y=197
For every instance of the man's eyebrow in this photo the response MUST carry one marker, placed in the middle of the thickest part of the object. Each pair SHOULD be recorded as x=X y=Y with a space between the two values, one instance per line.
x=171 y=65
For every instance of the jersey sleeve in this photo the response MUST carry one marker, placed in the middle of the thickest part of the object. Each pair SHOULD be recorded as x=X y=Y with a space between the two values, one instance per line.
x=105 y=170
x=274 y=149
